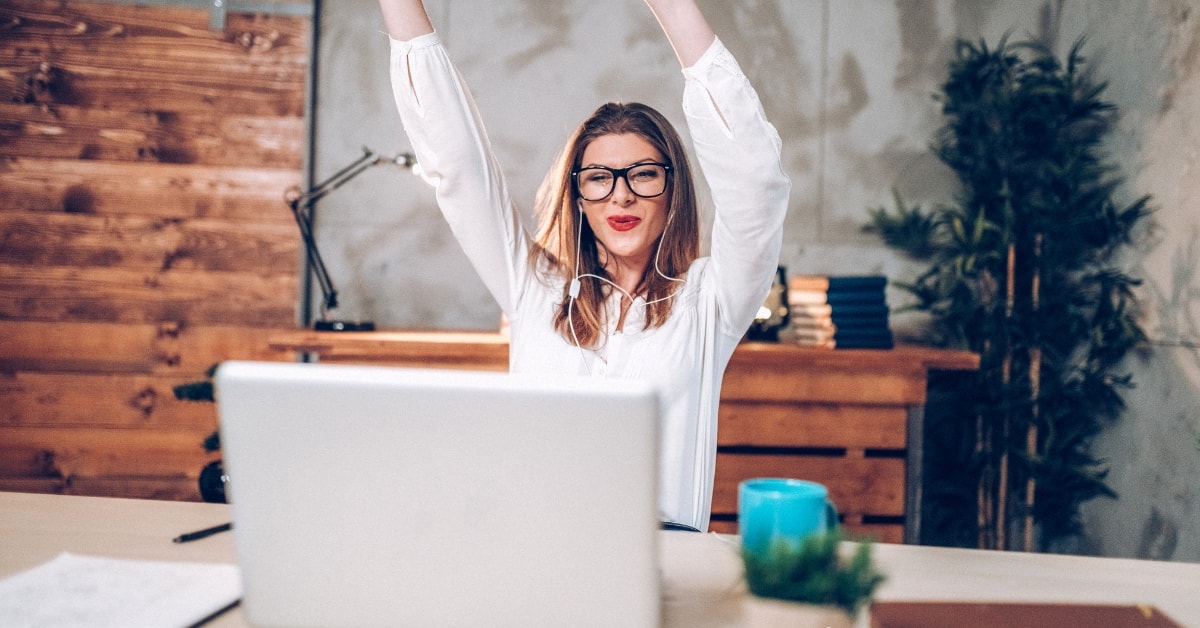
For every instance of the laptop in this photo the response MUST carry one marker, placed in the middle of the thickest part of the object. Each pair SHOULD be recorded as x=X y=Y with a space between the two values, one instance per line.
x=379 y=496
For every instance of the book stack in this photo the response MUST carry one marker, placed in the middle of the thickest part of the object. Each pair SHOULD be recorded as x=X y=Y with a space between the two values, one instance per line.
x=839 y=312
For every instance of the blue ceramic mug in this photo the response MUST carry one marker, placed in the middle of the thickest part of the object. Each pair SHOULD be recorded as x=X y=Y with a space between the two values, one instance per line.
x=777 y=510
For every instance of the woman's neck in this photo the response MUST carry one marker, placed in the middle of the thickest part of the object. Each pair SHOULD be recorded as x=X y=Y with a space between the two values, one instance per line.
x=628 y=275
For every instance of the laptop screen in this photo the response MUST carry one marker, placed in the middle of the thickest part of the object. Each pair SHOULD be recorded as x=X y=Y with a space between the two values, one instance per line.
x=389 y=496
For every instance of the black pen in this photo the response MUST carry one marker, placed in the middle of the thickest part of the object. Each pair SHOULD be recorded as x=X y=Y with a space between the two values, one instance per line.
x=199 y=534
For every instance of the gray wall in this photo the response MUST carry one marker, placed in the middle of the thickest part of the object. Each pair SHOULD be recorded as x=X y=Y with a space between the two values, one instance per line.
x=849 y=84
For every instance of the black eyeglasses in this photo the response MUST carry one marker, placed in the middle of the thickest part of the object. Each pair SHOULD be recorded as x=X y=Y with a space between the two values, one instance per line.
x=595 y=183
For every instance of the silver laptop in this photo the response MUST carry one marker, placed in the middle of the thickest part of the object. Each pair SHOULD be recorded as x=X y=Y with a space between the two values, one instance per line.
x=375 y=496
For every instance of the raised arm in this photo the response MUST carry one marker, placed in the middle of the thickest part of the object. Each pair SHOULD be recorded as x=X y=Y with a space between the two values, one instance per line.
x=405 y=19
x=453 y=151
x=685 y=27
x=739 y=153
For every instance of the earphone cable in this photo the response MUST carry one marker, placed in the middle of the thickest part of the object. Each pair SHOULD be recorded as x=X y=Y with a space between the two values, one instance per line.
x=576 y=285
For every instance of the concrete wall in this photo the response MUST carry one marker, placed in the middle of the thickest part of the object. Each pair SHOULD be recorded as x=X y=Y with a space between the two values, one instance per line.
x=849 y=84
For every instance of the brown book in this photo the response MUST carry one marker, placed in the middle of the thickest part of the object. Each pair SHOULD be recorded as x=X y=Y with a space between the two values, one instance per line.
x=1015 y=615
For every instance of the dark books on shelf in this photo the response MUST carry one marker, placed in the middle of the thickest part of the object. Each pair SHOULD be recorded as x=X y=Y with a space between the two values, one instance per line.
x=839 y=312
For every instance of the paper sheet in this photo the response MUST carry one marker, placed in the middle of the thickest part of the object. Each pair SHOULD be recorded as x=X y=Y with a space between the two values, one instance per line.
x=87 y=591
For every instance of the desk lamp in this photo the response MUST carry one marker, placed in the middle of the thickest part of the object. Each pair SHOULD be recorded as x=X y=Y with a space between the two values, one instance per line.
x=302 y=203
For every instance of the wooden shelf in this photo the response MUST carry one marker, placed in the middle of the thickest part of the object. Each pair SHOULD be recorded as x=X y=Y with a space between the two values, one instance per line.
x=432 y=349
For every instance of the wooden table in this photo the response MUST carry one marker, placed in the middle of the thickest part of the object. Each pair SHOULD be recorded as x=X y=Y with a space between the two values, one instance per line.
x=849 y=419
x=701 y=572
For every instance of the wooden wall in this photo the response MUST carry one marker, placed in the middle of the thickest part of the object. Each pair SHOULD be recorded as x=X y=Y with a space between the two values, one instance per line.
x=143 y=235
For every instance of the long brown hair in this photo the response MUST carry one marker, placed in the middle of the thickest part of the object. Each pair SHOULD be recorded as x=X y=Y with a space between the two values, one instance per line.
x=563 y=230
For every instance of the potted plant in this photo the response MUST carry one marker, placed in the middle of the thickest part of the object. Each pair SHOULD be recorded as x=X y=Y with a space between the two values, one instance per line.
x=1023 y=270
x=810 y=584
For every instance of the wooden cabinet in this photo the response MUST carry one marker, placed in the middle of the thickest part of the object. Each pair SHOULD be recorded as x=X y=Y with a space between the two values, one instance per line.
x=849 y=419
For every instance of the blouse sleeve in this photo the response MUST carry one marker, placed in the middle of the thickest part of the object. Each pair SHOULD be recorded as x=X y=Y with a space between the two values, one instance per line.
x=738 y=151
x=455 y=156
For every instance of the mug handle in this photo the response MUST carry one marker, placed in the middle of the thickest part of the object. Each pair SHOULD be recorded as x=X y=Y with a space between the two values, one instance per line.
x=831 y=516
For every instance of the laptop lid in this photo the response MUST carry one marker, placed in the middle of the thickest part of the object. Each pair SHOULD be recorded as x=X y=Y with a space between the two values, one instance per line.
x=388 y=496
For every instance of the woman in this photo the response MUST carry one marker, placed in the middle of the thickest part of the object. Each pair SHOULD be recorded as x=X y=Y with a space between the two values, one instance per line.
x=612 y=286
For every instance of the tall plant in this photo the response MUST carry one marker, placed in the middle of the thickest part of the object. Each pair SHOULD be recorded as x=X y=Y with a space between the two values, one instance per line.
x=1023 y=270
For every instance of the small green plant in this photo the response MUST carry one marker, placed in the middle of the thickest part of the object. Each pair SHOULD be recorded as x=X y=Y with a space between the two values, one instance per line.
x=814 y=573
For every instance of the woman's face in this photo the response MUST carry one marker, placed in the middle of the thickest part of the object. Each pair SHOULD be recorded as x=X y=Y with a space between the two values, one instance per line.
x=627 y=225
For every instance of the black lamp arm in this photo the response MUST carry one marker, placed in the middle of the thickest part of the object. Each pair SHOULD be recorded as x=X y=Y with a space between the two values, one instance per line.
x=302 y=203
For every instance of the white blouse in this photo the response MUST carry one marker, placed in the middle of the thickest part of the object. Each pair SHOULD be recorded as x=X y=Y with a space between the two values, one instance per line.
x=738 y=151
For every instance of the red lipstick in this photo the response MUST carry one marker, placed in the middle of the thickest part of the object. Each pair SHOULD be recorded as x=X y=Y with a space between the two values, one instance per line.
x=623 y=223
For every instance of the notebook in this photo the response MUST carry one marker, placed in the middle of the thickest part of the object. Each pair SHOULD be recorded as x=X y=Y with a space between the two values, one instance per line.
x=373 y=496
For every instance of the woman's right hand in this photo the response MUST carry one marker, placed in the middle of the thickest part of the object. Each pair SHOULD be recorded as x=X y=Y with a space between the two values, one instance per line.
x=685 y=27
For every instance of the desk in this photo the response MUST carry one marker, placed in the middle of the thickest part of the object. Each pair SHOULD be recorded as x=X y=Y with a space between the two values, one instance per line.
x=849 y=419
x=701 y=572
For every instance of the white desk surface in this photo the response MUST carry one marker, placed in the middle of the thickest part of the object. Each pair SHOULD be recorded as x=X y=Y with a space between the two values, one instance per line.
x=702 y=575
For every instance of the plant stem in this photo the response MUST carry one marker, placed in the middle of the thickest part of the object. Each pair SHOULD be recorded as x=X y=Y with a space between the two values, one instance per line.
x=1035 y=376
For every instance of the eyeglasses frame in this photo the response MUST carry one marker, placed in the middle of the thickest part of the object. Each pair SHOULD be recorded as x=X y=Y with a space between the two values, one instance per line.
x=620 y=173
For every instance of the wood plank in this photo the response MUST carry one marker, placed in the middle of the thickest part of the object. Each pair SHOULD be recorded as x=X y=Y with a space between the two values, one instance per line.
x=74 y=400
x=879 y=533
x=141 y=243
x=68 y=453
x=232 y=193
x=195 y=348
x=167 y=488
x=900 y=385
x=121 y=57
x=750 y=423
x=211 y=137
x=443 y=349
x=903 y=357
x=167 y=348
x=130 y=296
x=875 y=532
x=871 y=486
x=79 y=347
